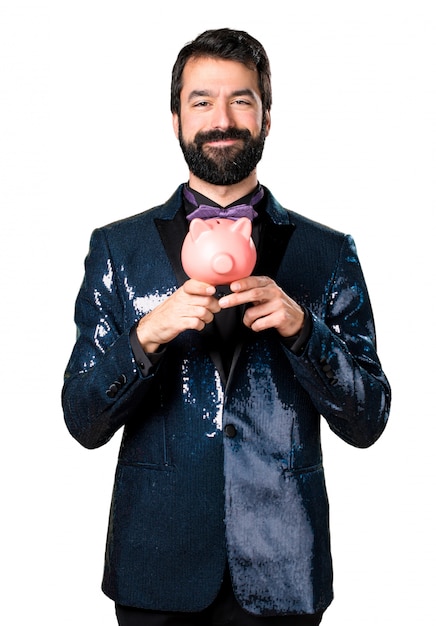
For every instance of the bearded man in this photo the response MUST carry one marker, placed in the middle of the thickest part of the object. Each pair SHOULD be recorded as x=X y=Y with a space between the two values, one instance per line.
x=219 y=512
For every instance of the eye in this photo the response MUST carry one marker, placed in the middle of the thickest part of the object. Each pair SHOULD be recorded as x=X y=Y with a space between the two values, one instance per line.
x=241 y=102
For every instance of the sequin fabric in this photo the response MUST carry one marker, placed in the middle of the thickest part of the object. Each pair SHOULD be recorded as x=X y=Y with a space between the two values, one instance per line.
x=213 y=470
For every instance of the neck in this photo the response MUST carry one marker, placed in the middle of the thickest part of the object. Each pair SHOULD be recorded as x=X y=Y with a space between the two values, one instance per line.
x=224 y=194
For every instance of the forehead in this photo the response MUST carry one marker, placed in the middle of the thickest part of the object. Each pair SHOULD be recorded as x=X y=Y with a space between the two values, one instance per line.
x=217 y=75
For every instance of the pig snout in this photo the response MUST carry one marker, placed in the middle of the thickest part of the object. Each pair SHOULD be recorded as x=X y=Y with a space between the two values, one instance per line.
x=222 y=263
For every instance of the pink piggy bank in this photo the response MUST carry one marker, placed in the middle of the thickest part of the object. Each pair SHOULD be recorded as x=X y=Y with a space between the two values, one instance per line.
x=219 y=251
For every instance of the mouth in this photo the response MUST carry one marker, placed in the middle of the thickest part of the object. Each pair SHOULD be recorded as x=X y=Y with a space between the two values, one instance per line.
x=222 y=143
x=230 y=138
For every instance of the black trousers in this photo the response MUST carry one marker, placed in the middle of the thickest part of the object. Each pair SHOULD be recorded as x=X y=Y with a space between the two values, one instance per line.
x=224 y=611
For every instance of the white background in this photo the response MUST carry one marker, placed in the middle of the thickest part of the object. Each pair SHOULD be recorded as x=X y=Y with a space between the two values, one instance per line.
x=86 y=138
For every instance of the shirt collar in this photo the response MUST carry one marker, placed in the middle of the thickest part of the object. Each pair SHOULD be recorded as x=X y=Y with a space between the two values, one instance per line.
x=201 y=199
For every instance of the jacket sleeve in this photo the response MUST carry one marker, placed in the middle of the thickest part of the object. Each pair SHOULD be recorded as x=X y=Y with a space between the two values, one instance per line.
x=339 y=368
x=103 y=383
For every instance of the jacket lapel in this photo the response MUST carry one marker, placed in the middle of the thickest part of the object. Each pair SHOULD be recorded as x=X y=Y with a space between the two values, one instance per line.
x=172 y=233
x=273 y=241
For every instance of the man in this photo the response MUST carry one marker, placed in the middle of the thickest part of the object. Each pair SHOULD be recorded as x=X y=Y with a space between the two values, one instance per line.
x=219 y=512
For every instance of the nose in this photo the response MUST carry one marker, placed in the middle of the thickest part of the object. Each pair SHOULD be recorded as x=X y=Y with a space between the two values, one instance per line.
x=222 y=116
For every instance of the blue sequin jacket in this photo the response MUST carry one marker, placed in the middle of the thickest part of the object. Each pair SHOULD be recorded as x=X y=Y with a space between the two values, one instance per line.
x=208 y=471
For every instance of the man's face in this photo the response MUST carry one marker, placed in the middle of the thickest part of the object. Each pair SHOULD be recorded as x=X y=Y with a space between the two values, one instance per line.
x=221 y=127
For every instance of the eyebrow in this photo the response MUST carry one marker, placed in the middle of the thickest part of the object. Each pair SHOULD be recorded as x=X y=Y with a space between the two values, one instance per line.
x=200 y=93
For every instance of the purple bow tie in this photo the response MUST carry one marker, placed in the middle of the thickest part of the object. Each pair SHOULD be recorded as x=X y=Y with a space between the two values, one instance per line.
x=206 y=212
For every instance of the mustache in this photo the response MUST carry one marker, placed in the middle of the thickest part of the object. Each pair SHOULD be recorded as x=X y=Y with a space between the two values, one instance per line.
x=221 y=135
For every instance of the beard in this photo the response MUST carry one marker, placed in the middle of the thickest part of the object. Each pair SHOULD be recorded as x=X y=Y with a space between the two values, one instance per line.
x=223 y=166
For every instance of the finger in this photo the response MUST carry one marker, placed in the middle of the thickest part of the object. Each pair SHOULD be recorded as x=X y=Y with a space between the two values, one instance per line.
x=263 y=319
x=209 y=304
x=257 y=311
x=254 y=295
x=202 y=313
x=196 y=287
x=250 y=282
x=188 y=295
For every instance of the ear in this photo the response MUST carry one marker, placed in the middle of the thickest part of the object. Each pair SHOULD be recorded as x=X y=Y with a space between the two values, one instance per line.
x=267 y=122
x=198 y=227
x=176 y=125
x=243 y=226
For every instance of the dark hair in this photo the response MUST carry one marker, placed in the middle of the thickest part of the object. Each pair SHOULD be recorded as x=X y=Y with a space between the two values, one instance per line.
x=224 y=43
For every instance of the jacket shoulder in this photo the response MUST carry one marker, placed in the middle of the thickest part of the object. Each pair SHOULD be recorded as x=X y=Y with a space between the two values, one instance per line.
x=302 y=221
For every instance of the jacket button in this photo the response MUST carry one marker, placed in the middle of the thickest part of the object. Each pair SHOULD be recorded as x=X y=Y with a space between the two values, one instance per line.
x=120 y=381
x=112 y=391
x=230 y=431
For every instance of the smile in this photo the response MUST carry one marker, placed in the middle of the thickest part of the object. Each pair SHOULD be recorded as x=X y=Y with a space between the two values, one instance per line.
x=222 y=143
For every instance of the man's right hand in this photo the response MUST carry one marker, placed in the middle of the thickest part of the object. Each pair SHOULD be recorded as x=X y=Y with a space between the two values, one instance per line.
x=191 y=307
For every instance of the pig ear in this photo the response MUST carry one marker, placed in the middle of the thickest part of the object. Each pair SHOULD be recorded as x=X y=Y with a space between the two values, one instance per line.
x=242 y=226
x=197 y=227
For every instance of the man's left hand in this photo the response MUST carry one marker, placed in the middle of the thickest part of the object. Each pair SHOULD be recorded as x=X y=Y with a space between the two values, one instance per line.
x=270 y=306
